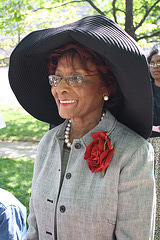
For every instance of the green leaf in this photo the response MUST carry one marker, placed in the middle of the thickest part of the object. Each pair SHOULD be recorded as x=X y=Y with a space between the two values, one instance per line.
x=103 y=173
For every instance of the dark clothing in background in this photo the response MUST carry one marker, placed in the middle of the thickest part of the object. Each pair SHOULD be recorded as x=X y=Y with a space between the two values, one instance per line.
x=156 y=109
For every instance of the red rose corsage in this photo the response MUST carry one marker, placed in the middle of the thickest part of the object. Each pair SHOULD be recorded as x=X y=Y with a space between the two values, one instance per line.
x=99 y=152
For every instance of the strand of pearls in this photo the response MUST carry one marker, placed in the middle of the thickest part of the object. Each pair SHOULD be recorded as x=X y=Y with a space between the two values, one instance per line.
x=67 y=132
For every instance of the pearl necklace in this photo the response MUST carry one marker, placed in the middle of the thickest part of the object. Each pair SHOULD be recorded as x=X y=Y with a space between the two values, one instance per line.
x=67 y=132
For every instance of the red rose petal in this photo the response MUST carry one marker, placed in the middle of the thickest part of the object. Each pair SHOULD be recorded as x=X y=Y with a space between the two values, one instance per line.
x=99 y=152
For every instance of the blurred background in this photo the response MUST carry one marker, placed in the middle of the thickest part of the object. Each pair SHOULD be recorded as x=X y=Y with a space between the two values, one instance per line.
x=140 y=18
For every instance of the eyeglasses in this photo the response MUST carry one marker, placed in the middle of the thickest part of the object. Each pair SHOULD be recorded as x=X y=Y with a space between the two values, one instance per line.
x=151 y=65
x=73 y=80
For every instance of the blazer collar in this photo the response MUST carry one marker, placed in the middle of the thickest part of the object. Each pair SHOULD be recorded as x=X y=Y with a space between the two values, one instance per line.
x=107 y=124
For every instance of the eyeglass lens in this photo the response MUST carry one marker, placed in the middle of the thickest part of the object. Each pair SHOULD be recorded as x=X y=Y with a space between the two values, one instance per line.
x=154 y=64
x=74 y=80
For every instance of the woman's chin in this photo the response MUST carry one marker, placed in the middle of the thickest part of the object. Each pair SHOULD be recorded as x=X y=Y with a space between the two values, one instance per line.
x=65 y=115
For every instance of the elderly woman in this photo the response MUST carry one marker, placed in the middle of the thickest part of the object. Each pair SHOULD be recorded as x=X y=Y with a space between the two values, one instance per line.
x=93 y=174
x=154 y=66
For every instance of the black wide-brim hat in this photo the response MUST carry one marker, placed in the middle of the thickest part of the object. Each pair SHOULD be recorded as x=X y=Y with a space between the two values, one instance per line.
x=28 y=74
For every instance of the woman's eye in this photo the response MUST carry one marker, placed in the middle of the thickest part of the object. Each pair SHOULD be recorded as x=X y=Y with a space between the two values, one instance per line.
x=76 y=77
x=59 y=77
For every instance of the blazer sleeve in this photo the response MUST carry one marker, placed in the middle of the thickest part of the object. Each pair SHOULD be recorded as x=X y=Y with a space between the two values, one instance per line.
x=43 y=146
x=32 y=232
x=136 y=203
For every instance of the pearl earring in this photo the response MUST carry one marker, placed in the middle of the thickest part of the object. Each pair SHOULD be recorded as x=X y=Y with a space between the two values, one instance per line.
x=105 y=97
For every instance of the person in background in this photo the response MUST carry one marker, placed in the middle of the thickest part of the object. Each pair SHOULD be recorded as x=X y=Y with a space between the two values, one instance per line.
x=12 y=217
x=93 y=174
x=154 y=67
x=12 y=212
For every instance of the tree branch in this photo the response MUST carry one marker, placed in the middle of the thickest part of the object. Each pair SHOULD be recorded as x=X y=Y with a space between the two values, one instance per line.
x=63 y=4
x=74 y=1
x=94 y=7
x=114 y=10
x=146 y=15
x=148 y=36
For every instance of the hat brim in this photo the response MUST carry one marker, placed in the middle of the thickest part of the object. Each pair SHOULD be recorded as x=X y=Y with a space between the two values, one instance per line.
x=28 y=74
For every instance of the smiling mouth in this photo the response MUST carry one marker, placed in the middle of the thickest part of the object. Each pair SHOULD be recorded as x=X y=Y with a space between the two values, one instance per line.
x=67 y=101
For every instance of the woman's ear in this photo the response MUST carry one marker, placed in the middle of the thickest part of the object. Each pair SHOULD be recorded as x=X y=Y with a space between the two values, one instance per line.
x=105 y=90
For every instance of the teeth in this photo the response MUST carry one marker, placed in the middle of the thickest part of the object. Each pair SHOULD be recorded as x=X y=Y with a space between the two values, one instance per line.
x=68 y=101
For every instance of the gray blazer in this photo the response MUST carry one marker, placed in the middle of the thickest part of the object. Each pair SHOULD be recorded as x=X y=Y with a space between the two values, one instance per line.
x=121 y=205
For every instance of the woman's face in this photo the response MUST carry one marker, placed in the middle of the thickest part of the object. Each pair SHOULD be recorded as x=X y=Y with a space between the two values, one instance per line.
x=155 y=71
x=81 y=101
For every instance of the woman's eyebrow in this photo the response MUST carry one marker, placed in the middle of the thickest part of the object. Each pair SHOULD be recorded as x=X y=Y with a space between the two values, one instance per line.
x=74 y=69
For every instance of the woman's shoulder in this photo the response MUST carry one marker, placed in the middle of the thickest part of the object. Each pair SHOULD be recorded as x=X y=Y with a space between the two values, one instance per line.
x=130 y=147
x=125 y=137
x=120 y=133
x=50 y=135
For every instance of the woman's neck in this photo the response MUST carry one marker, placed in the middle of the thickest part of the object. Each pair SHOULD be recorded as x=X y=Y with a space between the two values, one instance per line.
x=80 y=127
x=157 y=82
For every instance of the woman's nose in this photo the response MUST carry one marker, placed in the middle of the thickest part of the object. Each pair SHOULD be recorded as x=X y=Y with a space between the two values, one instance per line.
x=155 y=65
x=63 y=86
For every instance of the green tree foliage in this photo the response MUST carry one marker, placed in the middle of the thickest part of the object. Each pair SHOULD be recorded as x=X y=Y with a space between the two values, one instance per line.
x=140 y=18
